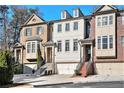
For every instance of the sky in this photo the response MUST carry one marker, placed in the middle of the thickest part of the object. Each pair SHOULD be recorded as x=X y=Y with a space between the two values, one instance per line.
x=52 y=12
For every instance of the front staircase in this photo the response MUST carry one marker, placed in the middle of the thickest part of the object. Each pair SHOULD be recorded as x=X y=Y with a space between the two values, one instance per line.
x=45 y=69
x=87 y=69
x=84 y=68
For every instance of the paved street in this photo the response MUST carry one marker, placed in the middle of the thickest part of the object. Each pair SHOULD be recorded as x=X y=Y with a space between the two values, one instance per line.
x=88 y=85
x=70 y=81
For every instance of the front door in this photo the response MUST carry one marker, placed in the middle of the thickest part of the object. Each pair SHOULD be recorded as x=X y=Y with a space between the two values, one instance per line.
x=18 y=56
x=88 y=52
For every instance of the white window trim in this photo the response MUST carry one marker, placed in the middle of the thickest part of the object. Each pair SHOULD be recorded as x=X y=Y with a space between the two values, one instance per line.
x=101 y=20
x=74 y=26
x=61 y=46
x=122 y=41
x=109 y=41
x=39 y=32
x=75 y=40
x=59 y=31
x=100 y=42
x=108 y=44
x=68 y=46
x=36 y=42
x=67 y=25
x=76 y=13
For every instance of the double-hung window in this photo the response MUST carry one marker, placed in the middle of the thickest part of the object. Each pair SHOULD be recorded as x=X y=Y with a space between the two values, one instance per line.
x=28 y=31
x=67 y=27
x=104 y=20
x=67 y=45
x=122 y=40
x=104 y=42
x=39 y=30
x=75 y=45
x=75 y=25
x=110 y=20
x=59 y=47
x=99 y=21
x=110 y=41
x=28 y=47
x=33 y=47
x=99 y=42
x=59 y=27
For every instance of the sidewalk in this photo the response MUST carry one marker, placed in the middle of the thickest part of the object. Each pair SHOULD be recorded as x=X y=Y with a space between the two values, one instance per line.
x=62 y=79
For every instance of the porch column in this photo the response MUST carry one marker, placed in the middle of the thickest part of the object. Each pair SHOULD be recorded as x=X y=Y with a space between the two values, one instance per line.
x=21 y=56
x=15 y=55
x=91 y=52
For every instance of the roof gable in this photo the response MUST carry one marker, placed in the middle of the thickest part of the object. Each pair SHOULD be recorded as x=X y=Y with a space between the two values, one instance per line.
x=18 y=45
x=105 y=8
x=33 y=19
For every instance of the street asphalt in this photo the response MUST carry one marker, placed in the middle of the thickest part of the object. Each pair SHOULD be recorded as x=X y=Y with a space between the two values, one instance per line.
x=114 y=84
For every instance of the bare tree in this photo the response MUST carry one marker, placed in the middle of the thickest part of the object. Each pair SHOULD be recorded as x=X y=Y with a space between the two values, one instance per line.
x=20 y=15
x=3 y=19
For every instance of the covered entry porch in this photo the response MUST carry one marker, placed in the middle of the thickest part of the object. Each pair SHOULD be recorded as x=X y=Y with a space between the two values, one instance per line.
x=87 y=59
x=49 y=55
x=18 y=54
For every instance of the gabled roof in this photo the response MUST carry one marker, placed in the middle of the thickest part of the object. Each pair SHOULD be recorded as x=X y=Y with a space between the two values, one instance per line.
x=17 y=45
x=32 y=17
x=33 y=38
x=102 y=6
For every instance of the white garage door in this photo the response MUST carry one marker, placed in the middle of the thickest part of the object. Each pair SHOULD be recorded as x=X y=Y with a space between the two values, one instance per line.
x=66 y=68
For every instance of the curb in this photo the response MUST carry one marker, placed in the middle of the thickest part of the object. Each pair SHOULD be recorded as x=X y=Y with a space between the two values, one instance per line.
x=52 y=84
x=87 y=82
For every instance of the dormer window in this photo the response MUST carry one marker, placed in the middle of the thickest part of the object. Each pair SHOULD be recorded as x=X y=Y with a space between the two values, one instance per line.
x=76 y=13
x=63 y=15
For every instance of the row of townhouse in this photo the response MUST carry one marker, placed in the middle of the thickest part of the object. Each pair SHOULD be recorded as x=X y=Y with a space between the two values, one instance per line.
x=88 y=44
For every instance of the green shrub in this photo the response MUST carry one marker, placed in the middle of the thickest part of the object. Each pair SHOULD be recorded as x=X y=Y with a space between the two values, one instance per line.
x=18 y=68
x=6 y=67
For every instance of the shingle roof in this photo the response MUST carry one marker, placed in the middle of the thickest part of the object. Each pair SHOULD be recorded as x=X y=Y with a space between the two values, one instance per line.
x=33 y=38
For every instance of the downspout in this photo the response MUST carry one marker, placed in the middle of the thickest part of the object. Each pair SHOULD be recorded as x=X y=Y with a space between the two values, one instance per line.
x=22 y=61
x=80 y=49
